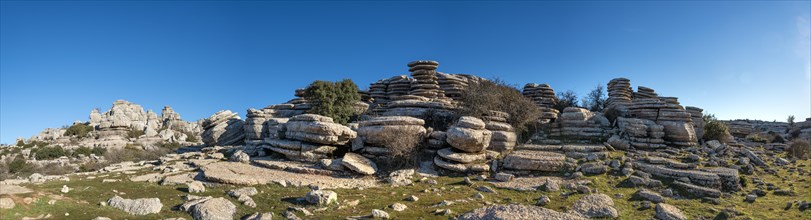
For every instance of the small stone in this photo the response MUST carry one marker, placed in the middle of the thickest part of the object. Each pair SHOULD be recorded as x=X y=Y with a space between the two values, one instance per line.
x=6 y=203
x=240 y=156
x=485 y=189
x=196 y=187
x=750 y=198
x=583 y=189
x=412 y=198
x=468 y=181
x=543 y=200
x=321 y=197
x=377 y=213
x=504 y=177
x=65 y=189
x=399 y=207
x=259 y=216
x=432 y=182
x=645 y=205
x=552 y=185
x=668 y=212
x=478 y=196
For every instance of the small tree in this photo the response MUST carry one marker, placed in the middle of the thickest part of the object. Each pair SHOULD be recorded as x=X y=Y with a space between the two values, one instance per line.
x=595 y=100
x=333 y=99
x=20 y=143
x=80 y=130
x=714 y=129
x=496 y=95
x=566 y=99
x=790 y=121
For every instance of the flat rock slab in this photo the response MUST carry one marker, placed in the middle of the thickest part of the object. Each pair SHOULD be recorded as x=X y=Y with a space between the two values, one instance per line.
x=359 y=164
x=516 y=212
x=246 y=174
x=526 y=183
x=13 y=189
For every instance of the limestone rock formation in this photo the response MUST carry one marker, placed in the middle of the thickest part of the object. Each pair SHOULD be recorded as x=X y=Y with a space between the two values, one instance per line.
x=504 y=137
x=378 y=136
x=307 y=137
x=581 y=124
x=469 y=140
x=224 y=128
x=544 y=96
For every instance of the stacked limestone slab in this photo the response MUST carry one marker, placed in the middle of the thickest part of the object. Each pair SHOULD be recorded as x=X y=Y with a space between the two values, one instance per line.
x=739 y=128
x=703 y=182
x=504 y=136
x=639 y=134
x=398 y=85
x=224 y=128
x=544 y=96
x=531 y=158
x=436 y=140
x=469 y=140
x=310 y=137
x=581 y=124
x=425 y=84
x=666 y=111
x=620 y=94
x=254 y=124
x=697 y=116
x=378 y=137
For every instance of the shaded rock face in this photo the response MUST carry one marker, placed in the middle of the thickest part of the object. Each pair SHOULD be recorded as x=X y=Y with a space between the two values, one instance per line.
x=136 y=206
x=224 y=128
x=359 y=164
x=254 y=127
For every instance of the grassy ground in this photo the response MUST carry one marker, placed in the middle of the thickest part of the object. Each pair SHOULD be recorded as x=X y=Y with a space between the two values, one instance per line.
x=83 y=201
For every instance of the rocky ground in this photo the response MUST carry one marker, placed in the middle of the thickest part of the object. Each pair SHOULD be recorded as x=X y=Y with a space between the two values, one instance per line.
x=282 y=190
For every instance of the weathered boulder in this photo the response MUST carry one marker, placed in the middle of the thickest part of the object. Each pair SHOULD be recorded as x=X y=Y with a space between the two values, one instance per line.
x=469 y=135
x=136 y=206
x=224 y=128
x=595 y=206
x=359 y=164
x=213 y=209
x=669 y=212
x=317 y=129
x=321 y=197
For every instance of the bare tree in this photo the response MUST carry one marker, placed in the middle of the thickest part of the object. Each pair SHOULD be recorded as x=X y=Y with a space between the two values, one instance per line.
x=566 y=99
x=595 y=100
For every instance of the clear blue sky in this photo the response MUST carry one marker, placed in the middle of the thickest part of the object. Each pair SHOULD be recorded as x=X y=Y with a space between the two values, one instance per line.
x=59 y=60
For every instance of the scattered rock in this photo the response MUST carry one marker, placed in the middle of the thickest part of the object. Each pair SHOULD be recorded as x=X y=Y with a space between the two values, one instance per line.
x=259 y=216
x=321 y=197
x=196 y=187
x=6 y=203
x=504 y=177
x=595 y=206
x=377 y=213
x=136 y=206
x=65 y=189
x=543 y=201
x=516 y=212
x=240 y=156
x=412 y=198
x=650 y=196
x=398 y=207
x=486 y=189
x=358 y=163
x=750 y=198
x=213 y=209
x=668 y=212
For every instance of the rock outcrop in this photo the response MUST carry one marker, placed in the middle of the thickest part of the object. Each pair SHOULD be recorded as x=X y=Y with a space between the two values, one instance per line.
x=224 y=128
x=379 y=137
x=544 y=96
x=310 y=137
x=469 y=140
x=504 y=138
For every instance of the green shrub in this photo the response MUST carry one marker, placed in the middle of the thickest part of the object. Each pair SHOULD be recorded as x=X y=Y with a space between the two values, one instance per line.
x=18 y=165
x=98 y=151
x=496 y=95
x=79 y=130
x=191 y=137
x=800 y=149
x=715 y=130
x=135 y=133
x=47 y=153
x=82 y=150
x=333 y=99
x=595 y=100
x=757 y=137
x=566 y=99
x=20 y=143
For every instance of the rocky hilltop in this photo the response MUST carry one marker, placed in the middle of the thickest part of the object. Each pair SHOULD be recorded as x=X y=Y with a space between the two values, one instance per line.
x=641 y=155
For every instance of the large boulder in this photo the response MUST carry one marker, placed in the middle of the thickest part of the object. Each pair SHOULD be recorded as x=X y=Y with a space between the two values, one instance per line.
x=469 y=135
x=211 y=209
x=321 y=197
x=136 y=206
x=595 y=206
x=224 y=128
x=668 y=212
x=381 y=130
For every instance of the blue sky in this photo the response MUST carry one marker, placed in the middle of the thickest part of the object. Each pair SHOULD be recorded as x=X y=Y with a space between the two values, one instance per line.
x=59 y=60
